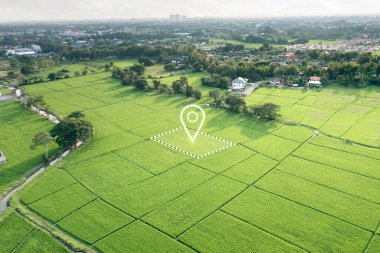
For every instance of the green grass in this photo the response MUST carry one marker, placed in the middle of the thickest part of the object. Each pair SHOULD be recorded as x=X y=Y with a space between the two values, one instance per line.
x=182 y=213
x=224 y=159
x=158 y=190
x=18 y=128
x=13 y=230
x=17 y=235
x=348 y=147
x=348 y=208
x=251 y=169
x=4 y=91
x=343 y=181
x=318 y=194
x=294 y=133
x=375 y=245
x=100 y=177
x=264 y=145
x=40 y=242
x=302 y=226
x=60 y=204
x=221 y=232
x=339 y=111
x=153 y=156
x=202 y=145
x=94 y=221
x=52 y=181
x=349 y=162
x=139 y=237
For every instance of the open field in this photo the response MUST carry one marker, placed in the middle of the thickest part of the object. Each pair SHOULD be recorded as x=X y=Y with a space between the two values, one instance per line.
x=18 y=126
x=18 y=235
x=339 y=111
x=279 y=189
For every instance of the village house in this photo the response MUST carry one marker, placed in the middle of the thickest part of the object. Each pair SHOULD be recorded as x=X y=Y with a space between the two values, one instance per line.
x=315 y=81
x=239 y=84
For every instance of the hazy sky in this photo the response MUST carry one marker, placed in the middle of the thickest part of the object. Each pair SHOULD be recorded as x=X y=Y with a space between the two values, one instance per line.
x=18 y=10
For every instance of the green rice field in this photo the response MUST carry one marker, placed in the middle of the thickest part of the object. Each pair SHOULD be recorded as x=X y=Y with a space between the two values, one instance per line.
x=279 y=188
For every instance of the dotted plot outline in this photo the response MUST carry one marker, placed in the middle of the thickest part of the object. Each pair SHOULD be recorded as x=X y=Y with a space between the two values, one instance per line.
x=155 y=138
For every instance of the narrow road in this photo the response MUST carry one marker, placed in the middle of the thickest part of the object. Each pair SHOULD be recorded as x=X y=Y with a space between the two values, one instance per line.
x=8 y=196
x=5 y=98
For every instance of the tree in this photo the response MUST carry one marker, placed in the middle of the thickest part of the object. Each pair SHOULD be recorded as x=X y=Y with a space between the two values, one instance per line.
x=197 y=94
x=235 y=103
x=140 y=84
x=70 y=131
x=189 y=91
x=76 y=73
x=170 y=67
x=266 y=111
x=146 y=61
x=138 y=69
x=216 y=95
x=37 y=101
x=76 y=115
x=52 y=76
x=156 y=84
x=42 y=139
x=27 y=70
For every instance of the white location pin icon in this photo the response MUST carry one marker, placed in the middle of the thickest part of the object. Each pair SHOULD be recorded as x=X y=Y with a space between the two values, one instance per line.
x=192 y=116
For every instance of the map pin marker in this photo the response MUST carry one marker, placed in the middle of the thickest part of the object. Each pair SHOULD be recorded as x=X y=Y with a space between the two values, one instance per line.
x=192 y=116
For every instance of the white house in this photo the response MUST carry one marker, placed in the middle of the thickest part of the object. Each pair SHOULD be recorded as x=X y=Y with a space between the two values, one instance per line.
x=315 y=81
x=239 y=83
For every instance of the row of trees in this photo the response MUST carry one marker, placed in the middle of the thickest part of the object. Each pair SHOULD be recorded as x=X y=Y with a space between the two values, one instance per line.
x=237 y=104
x=67 y=133
x=182 y=86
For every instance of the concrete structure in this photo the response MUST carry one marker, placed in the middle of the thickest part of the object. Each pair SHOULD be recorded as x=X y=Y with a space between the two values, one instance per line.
x=20 y=51
x=36 y=48
x=315 y=81
x=239 y=84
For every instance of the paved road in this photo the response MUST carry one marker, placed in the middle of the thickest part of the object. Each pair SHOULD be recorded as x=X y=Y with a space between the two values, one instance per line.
x=4 y=201
x=5 y=98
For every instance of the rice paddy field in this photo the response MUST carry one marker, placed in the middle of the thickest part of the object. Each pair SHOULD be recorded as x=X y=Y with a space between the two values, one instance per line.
x=348 y=113
x=18 y=126
x=279 y=188
x=18 y=235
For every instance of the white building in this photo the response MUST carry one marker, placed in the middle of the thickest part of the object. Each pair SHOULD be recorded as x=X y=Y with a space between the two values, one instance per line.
x=20 y=51
x=36 y=48
x=239 y=83
x=33 y=50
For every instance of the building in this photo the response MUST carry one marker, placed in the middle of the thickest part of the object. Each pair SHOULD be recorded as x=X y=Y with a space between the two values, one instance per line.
x=36 y=48
x=315 y=81
x=20 y=51
x=239 y=84
x=33 y=50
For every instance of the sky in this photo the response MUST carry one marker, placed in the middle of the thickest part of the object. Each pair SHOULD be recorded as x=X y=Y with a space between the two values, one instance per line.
x=45 y=10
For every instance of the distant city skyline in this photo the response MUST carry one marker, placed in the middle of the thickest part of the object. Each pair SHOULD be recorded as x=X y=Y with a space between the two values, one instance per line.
x=45 y=10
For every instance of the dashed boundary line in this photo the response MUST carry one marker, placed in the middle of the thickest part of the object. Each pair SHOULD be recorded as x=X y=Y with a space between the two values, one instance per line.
x=156 y=138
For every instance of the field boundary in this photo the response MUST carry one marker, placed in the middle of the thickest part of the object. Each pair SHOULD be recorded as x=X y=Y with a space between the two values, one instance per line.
x=156 y=139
